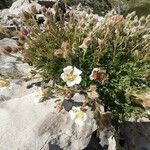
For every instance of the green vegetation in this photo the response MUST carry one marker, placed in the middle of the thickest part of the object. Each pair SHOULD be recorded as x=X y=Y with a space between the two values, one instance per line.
x=98 y=6
x=119 y=47
x=5 y=4
x=140 y=6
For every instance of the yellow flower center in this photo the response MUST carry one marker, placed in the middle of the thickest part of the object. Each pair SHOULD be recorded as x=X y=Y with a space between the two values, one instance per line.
x=80 y=115
x=70 y=76
x=4 y=83
x=40 y=92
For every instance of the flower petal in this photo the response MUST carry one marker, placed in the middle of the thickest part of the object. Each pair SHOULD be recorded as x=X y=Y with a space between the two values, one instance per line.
x=85 y=117
x=79 y=122
x=71 y=83
x=78 y=79
x=91 y=78
x=72 y=114
x=63 y=76
x=68 y=69
x=77 y=71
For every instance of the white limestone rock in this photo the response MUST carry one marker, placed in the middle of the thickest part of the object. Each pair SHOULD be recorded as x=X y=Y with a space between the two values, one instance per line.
x=25 y=126
x=15 y=10
x=11 y=67
x=7 y=42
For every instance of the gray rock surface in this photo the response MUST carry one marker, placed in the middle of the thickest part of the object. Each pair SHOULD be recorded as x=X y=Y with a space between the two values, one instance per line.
x=10 y=67
x=136 y=135
x=15 y=10
x=27 y=126
x=7 y=42
x=14 y=70
x=18 y=88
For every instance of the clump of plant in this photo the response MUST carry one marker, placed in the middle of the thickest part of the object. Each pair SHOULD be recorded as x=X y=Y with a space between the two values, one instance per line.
x=6 y=32
x=124 y=52
x=106 y=59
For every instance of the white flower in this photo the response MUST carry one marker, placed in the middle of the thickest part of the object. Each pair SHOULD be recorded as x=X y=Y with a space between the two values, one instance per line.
x=38 y=95
x=78 y=115
x=71 y=75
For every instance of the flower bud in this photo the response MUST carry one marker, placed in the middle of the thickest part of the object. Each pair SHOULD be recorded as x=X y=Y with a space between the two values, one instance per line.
x=56 y=6
x=20 y=43
x=86 y=42
x=136 y=21
x=25 y=15
x=8 y=49
x=43 y=9
x=15 y=22
x=33 y=9
x=22 y=37
x=92 y=94
x=142 y=19
x=131 y=15
x=98 y=74
x=24 y=31
x=148 y=77
x=58 y=53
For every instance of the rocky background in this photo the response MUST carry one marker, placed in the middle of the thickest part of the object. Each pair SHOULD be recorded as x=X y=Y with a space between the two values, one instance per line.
x=141 y=6
x=5 y=4
x=27 y=126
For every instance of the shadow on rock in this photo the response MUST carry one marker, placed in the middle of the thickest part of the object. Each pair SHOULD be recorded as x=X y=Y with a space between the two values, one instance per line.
x=135 y=136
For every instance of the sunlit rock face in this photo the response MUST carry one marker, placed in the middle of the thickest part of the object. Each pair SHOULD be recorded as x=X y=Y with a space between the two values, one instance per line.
x=37 y=125
x=28 y=125
x=12 y=70
x=25 y=126
x=15 y=10
x=10 y=65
